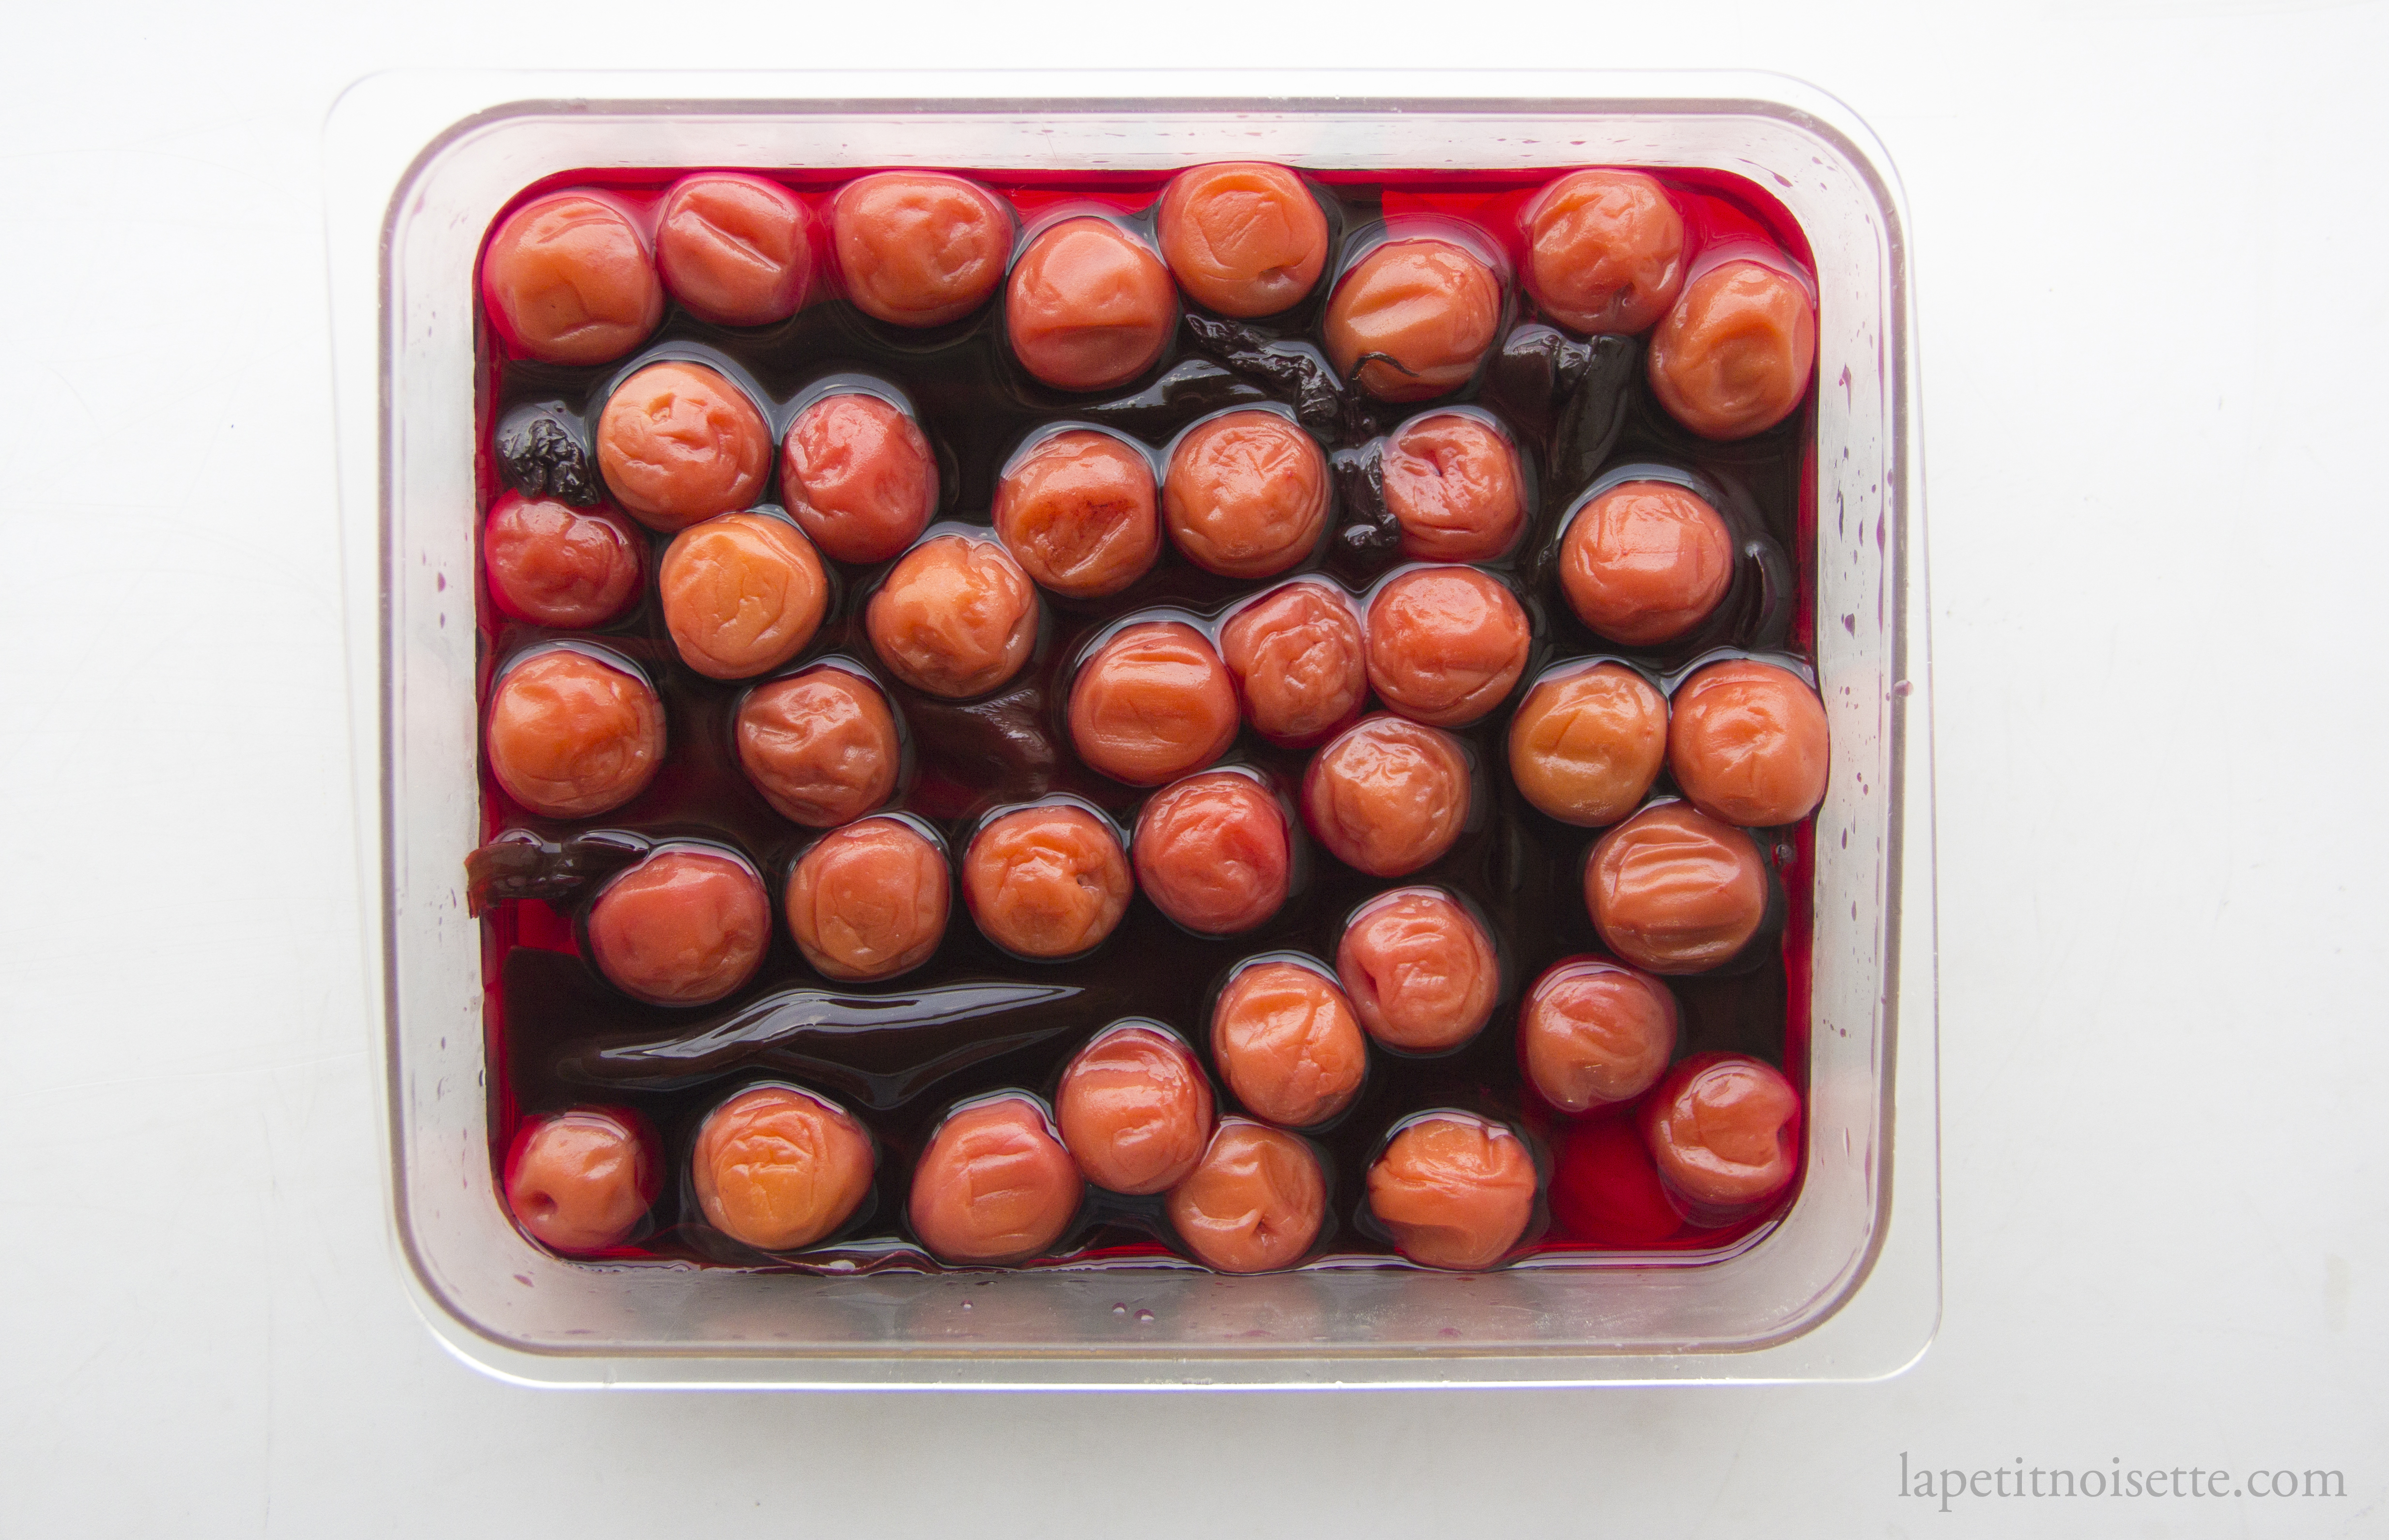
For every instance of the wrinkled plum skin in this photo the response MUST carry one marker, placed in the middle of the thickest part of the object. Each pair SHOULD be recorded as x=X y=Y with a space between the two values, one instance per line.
x=1454 y=1189
x=555 y=564
x=820 y=746
x=1254 y=1203
x=781 y=1169
x=1287 y=1044
x=678 y=443
x=1388 y=795
x=1587 y=743
x=1242 y=236
x=1734 y=355
x=571 y=737
x=686 y=926
x=1153 y=704
x=742 y=594
x=919 y=249
x=994 y=1184
x=1046 y=881
x=1724 y=1130
x=1604 y=251
x=1088 y=306
x=1747 y=744
x=1645 y=561
x=1446 y=643
x=736 y=250
x=580 y=1181
x=858 y=476
x=868 y=901
x=1412 y=320
x=1134 y=1109
x=1673 y=891
x=1214 y=853
x=1420 y=969
x=1453 y=485
x=1299 y=661
x=955 y=617
x=1246 y=494
x=1077 y=513
x=568 y=280
x=1593 y=1032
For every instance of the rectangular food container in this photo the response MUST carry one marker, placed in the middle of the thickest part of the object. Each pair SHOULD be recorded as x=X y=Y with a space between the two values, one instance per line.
x=1846 y=1286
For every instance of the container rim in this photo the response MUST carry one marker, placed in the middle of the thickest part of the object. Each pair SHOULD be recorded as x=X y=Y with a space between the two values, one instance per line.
x=388 y=131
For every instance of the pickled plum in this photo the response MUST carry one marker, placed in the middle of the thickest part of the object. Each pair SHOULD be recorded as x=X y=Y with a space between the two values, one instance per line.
x=569 y=736
x=1254 y=1202
x=820 y=746
x=579 y=1181
x=742 y=594
x=781 y=1168
x=1299 y=662
x=1604 y=251
x=678 y=443
x=1586 y=742
x=919 y=249
x=1746 y=743
x=1046 y=881
x=1673 y=891
x=994 y=1184
x=1724 y=1131
x=868 y=901
x=1075 y=510
x=736 y=250
x=1214 y=852
x=955 y=617
x=1645 y=561
x=1413 y=319
x=1593 y=1032
x=1388 y=795
x=1454 y=1189
x=1088 y=306
x=1243 y=237
x=858 y=476
x=1152 y=703
x=1246 y=494
x=555 y=564
x=1734 y=355
x=686 y=926
x=1453 y=485
x=568 y=279
x=1287 y=1044
x=1134 y=1108
x=1420 y=970
x=1445 y=645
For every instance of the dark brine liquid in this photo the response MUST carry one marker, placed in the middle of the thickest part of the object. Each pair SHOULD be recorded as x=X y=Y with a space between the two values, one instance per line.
x=976 y=1020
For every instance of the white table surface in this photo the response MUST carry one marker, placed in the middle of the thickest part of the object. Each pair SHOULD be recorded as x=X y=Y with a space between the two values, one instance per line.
x=2149 y=245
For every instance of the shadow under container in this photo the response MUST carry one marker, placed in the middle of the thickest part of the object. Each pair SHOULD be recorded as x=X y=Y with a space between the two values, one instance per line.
x=1845 y=1285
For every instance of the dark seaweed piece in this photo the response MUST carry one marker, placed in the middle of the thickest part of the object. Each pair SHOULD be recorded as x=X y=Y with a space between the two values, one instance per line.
x=542 y=451
x=1593 y=414
x=1295 y=369
x=518 y=864
x=1532 y=374
x=882 y=1050
x=1196 y=388
x=1002 y=737
x=1371 y=538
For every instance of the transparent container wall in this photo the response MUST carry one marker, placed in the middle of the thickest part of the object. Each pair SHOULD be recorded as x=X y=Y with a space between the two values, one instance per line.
x=1845 y=1285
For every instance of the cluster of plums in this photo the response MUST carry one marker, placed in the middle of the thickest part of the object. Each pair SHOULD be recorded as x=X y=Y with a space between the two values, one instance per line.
x=574 y=729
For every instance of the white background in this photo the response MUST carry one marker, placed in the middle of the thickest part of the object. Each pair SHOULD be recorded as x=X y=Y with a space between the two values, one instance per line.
x=2149 y=247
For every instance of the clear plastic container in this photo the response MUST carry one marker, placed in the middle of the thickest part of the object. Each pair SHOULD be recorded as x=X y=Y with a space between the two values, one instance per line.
x=1845 y=1286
